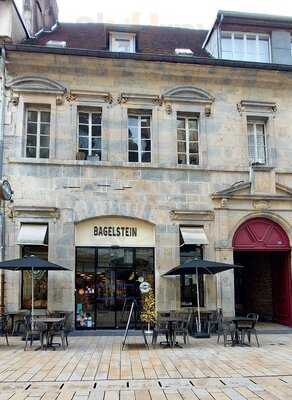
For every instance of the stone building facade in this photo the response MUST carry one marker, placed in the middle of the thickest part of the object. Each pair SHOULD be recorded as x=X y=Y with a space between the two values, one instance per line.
x=219 y=194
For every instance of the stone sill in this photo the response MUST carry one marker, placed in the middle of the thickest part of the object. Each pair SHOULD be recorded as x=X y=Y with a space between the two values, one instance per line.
x=123 y=164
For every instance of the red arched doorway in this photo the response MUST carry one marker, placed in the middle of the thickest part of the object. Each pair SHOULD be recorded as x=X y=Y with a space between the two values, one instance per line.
x=264 y=285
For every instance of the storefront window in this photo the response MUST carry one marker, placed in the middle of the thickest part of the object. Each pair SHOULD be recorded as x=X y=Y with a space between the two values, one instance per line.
x=107 y=282
x=40 y=280
x=189 y=282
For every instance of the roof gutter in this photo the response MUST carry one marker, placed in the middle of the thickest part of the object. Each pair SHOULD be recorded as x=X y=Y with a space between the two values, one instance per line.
x=147 y=57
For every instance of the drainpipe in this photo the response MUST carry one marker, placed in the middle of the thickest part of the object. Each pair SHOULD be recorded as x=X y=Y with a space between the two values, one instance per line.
x=2 y=217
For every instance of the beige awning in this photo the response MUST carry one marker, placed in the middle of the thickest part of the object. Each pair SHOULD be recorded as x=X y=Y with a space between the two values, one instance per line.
x=32 y=234
x=194 y=235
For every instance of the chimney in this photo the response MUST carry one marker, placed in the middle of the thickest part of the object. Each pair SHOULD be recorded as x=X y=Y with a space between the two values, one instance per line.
x=40 y=14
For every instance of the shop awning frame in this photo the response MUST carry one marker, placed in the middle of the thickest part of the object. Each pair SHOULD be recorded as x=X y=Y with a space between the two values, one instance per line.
x=33 y=234
x=193 y=235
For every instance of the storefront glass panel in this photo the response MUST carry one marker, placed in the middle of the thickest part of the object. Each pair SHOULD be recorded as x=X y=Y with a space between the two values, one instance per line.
x=107 y=282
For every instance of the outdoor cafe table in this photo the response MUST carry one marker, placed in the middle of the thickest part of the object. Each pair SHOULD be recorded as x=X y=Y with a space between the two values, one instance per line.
x=237 y=322
x=171 y=329
x=49 y=322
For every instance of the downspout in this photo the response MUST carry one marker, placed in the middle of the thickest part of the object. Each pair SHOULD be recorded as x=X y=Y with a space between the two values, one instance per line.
x=2 y=216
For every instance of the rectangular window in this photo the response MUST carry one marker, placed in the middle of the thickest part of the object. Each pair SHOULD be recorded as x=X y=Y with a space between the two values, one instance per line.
x=122 y=42
x=89 y=130
x=187 y=140
x=40 y=280
x=38 y=133
x=245 y=46
x=189 y=282
x=139 y=136
x=257 y=151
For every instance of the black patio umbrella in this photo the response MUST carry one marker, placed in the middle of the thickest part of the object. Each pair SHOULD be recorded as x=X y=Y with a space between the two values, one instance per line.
x=31 y=263
x=205 y=267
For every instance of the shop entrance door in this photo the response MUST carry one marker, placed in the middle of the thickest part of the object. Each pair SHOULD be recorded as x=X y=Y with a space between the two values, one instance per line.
x=105 y=293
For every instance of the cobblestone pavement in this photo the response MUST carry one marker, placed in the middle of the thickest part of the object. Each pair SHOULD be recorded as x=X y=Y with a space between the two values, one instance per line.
x=94 y=367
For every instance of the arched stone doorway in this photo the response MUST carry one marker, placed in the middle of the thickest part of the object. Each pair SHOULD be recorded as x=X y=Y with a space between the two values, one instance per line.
x=264 y=284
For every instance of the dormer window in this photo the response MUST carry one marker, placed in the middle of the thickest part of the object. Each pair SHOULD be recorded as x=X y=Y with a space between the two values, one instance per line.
x=122 y=42
x=245 y=46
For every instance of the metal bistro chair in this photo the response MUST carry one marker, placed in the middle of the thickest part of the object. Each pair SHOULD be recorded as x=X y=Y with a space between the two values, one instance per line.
x=58 y=329
x=251 y=330
x=182 y=328
x=227 y=330
x=4 y=327
x=161 y=328
x=37 y=332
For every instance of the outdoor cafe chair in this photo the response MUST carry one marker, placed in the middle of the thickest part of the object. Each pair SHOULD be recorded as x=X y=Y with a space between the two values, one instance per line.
x=251 y=330
x=161 y=328
x=57 y=330
x=227 y=330
x=182 y=328
x=37 y=332
x=4 y=327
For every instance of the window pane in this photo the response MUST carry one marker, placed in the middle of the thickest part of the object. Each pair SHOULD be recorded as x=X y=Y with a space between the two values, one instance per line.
x=96 y=153
x=189 y=282
x=96 y=119
x=194 y=147
x=146 y=157
x=238 y=47
x=145 y=121
x=181 y=135
x=181 y=159
x=31 y=140
x=44 y=141
x=83 y=143
x=96 y=143
x=83 y=118
x=83 y=130
x=133 y=144
x=133 y=132
x=132 y=121
x=133 y=156
x=226 y=44
x=264 y=54
x=45 y=129
x=193 y=136
x=227 y=55
x=146 y=145
x=194 y=159
x=44 y=153
x=193 y=124
x=32 y=128
x=31 y=152
x=32 y=116
x=181 y=147
x=96 y=131
x=250 y=48
x=181 y=123
x=145 y=133
x=45 y=116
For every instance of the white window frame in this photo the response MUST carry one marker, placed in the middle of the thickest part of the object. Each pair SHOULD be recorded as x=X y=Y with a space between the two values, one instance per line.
x=255 y=123
x=38 y=135
x=187 y=130
x=140 y=151
x=256 y=35
x=115 y=36
x=89 y=149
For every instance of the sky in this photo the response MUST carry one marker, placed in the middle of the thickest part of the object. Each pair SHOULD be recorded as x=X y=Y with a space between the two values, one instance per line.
x=192 y=13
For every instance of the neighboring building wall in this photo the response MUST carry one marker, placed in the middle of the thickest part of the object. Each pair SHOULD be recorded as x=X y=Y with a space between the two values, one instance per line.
x=11 y=28
x=162 y=192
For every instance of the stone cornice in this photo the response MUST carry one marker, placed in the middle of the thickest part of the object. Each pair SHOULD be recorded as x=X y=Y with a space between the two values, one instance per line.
x=34 y=212
x=192 y=215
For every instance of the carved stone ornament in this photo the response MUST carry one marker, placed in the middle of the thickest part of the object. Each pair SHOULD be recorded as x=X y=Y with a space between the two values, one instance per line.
x=122 y=99
x=168 y=109
x=59 y=101
x=108 y=98
x=208 y=111
x=224 y=203
x=261 y=204
x=71 y=97
x=15 y=100
x=158 y=100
